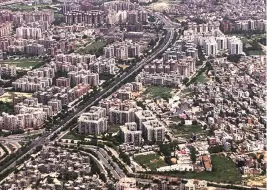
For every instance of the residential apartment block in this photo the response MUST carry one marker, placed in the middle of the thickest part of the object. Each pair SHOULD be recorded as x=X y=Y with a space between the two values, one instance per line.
x=29 y=33
x=92 y=17
x=29 y=115
x=8 y=70
x=122 y=50
x=93 y=122
x=153 y=130
x=5 y=29
x=130 y=134
x=170 y=73
x=122 y=113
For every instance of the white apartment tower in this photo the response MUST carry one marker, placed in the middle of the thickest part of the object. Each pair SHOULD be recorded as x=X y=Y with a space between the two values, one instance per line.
x=153 y=130
x=130 y=134
x=210 y=46
x=235 y=45
x=221 y=43
x=93 y=122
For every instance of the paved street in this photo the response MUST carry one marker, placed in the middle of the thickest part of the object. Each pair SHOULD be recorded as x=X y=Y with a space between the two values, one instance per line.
x=118 y=82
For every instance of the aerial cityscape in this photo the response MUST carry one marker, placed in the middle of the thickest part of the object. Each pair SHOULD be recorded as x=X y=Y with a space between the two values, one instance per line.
x=133 y=94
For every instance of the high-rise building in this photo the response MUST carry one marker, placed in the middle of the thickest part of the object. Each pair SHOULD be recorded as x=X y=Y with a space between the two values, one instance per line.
x=121 y=113
x=5 y=29
x=56 y=105
x=29 y=33
x=221 y=43
x=235 y=45
x=93 y=122
x=210 y=46
x=130 y=134
x=62 y=81
x=8 y=70
x=142 y=116
x=92 y=17
x=153 y=130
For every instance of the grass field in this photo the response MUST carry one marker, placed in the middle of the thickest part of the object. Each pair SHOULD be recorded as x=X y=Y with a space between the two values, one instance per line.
x=123 y=66
x=8 y=96
x=186 y=130
x=22 y=7
x=93 y=47
x=114 y=128
x=256 y=52
x=202 y=78
x=224 y=170
x=69 y=136
x=152 y=161
x=156 y=91
x=23 y=63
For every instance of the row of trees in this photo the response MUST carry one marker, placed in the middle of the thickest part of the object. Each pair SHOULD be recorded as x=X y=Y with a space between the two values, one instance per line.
x=125 y=158
x=206 y=69
x=245 y=32
x=168 y=148
x=6 y=107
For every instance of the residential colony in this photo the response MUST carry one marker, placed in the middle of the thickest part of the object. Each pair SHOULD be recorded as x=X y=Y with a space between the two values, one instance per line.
x=82 y=70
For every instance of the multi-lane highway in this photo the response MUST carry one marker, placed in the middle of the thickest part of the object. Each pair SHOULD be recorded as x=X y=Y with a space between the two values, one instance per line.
x=105 y=92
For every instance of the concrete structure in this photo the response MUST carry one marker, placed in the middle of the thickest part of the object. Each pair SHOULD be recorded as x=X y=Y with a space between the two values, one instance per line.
x=93 y=122
x=235 y=45
x=126 y=183
x=153 y=130
x=130 y=134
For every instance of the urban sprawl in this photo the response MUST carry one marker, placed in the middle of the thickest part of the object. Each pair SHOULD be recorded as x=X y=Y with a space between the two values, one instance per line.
x=132 y=94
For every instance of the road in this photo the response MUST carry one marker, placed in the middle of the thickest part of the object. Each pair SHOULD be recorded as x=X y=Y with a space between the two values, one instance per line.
x=105 y=161
x=105 y=92
x=264 y=48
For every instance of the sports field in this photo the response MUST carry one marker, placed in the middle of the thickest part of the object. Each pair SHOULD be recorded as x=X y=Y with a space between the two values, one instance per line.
x=23 y=63
x=8 y=96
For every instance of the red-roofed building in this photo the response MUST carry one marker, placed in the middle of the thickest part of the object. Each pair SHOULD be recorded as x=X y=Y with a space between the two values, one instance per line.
x=207 y=163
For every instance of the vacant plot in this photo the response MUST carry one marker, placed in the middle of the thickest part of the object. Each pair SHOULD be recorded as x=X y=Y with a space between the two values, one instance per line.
x=151 y=161
x=123 y=66
x=23 y=7
x=256 y=181
x=186 y=130
x=256 y=52
x=224 y=171
x=23 y=63
x=114 y=128
x=202 y=78
x=187 y=93
x=95 y=47
x=8 y=96
x=156 y=91
x=70 y=136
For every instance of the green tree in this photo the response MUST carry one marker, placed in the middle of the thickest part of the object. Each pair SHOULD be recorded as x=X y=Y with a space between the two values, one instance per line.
x=193 y=153
x=95 y=89
x=125 y=158
x=216 y=149
x=49 y=179
x=234 y=58
x=103 y=177
x=167 y=148
x=185 y=80
x=84 y=36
